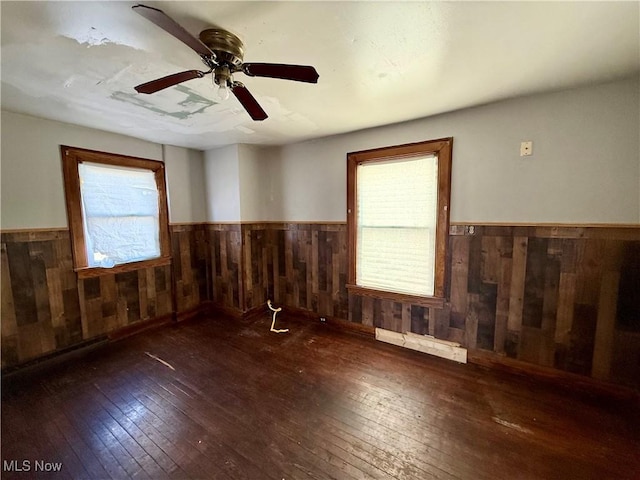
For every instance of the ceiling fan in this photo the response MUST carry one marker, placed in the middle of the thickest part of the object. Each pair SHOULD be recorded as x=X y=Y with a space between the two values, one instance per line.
x=222 y=52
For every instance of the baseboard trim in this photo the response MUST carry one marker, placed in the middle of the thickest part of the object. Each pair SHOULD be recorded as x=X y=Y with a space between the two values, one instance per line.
x=139 y=327
x=54 y=358
x=256 y=312
x=233 y=312
x=202 y=308
x=567 y=380
x=334 y=322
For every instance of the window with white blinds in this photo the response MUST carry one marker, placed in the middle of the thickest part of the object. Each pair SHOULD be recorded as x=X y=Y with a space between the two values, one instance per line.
x=396 y=225
x=120 y=213
x=398 y=221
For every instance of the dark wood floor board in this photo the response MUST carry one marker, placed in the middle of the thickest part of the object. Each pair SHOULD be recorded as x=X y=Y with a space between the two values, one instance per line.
x=159 y=428
x=473 y=439
x=107 y=453
x=199 y=458
x=86 y=448
x=281 y=372
x=511 y=425
x=242 y=417
x=253 y=421
x=129 y=441
x=20 y=434
x=175 y=424
x=92 y=415
x=72 y=464
x=483 y=385
x=245 y=413
x=357 y=405
x=293 y=452
x=384 y=459
x=35 y=423
x=217 y=431
x=151 y=442
x=244 y=403
x=543 y=438
x=407 y=460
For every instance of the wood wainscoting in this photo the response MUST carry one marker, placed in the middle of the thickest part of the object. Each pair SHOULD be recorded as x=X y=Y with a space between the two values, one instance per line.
x=543 y=295
x=46 y=308
x=549 y=296
x=560 y=297
x=301 y=265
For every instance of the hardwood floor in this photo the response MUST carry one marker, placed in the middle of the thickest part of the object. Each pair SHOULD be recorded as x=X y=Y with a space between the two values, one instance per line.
x=316 y=403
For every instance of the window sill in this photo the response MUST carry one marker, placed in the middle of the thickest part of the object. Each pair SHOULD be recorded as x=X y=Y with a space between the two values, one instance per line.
x=90 y=272
x=432 y=302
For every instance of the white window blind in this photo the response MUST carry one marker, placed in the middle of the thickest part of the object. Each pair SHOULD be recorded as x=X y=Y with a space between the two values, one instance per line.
x=120 y=214
x=396 y=225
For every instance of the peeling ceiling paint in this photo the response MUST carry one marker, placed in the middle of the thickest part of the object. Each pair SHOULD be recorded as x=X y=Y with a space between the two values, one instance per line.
x=379 y=62
x=193 y=103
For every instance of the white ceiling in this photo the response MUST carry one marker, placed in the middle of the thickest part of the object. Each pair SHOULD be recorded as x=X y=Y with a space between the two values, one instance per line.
x=379 y=62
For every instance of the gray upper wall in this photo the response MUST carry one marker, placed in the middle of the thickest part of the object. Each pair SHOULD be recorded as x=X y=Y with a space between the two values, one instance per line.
x=585 y=166
x=32 y=194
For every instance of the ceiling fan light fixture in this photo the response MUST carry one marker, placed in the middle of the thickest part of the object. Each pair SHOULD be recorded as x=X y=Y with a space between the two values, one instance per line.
x=223 y=92
x=222 y=78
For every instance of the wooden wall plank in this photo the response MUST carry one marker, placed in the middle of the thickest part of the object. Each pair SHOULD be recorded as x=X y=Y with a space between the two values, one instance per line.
x=471 y=321
x=502 y=304
x=605 y=327
x=8 y=325
x=24 y=296
x=54 y=293
x=459 y=280
x=534 y=282
x=566 y=301
x=490 y=259
x=518 y=272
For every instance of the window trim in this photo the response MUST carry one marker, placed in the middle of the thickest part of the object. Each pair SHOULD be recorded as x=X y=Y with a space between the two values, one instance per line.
x=71 y=158
x=442 y=148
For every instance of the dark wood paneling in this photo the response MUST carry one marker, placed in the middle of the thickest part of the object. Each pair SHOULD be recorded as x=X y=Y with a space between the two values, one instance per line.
x=225 y=255
x=40 y=302
x=555 y=298
x=191 y=265
x=46 y=308
x=124 y=299
x=299 y=265
x=544 y=295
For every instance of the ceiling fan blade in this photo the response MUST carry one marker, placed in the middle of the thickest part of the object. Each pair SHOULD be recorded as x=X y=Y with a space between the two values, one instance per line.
x=249 y=103
x=169 y=25
x=170 y=80
x=298 y=73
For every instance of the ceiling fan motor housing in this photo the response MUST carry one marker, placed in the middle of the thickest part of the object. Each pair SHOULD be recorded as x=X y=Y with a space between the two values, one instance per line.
x=227 y=47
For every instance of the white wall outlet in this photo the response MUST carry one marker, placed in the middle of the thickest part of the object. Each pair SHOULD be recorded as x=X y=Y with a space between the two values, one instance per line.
x=526 y=149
